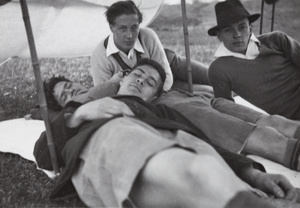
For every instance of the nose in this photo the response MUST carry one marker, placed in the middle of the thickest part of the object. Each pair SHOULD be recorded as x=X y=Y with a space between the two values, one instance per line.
x=129 y=34
x=141 y=81
x=236 y=33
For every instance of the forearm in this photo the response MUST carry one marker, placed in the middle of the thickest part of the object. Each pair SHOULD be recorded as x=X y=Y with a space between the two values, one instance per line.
x=110 y=88
x=77 y=118
x=250 y=175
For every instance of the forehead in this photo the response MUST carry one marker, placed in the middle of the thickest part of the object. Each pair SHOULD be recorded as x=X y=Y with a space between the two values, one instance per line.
x=127 y=19
x=59 y=86
x=241 y=22
x=148 y=71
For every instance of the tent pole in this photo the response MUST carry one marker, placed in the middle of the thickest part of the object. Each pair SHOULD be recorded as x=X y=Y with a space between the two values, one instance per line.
x=187 y=49
x=40 y=87
x=261 y=16
x=273 y=15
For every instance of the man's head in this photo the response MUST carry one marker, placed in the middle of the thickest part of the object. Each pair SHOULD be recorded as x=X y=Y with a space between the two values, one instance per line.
x=233 y=25
x=59 y=91
x=124 y=19
x=146 y=80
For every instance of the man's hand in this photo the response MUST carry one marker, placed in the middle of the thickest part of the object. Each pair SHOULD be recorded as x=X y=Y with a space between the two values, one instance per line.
x=277 y=185
x=116 y=78
x=272 y=184
x=101 y=108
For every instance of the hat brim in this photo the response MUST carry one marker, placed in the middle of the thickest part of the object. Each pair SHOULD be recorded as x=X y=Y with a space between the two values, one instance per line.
x=214 y=30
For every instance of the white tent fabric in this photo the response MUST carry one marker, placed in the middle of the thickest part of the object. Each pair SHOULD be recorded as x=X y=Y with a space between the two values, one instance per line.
x=61 y=28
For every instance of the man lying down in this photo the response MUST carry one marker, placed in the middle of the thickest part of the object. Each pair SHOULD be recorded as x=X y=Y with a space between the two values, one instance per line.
x=141 y=155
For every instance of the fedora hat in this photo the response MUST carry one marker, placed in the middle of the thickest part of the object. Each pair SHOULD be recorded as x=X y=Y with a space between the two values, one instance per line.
x=229 y=12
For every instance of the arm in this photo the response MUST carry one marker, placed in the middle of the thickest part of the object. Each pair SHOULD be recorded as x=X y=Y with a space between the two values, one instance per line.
x=178 y=67
x=219 y=81
x=152 y=44
x=101 y=108
x=289 y=46
x=107 y=89
x=102 y=67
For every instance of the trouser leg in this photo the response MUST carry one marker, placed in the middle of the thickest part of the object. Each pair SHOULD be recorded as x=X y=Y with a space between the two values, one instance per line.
x=287 y=127
x=226 y=131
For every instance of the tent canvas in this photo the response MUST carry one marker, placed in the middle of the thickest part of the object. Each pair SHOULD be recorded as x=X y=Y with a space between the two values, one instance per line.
x=61 y=28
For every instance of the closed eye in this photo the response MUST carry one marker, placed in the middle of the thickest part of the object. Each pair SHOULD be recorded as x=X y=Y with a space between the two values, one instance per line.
x=63 y=97
x=137 y=74
x=151 y=83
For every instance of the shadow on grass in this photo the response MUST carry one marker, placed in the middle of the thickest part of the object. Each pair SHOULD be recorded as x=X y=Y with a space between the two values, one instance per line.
x=22 y=185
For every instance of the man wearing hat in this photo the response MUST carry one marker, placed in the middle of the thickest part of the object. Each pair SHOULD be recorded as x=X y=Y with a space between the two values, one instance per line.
x=264 y=70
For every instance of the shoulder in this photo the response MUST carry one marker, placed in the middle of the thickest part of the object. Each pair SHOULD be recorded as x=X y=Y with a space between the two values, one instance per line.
x=146 y=31
x=147 y=34
x=220 y=63
x=272 y=37
x=100 y=48
x=220 y=67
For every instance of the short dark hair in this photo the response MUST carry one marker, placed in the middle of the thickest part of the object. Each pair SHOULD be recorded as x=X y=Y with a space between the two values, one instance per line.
x=122 y=7
x=48 y=89
x=159 y=69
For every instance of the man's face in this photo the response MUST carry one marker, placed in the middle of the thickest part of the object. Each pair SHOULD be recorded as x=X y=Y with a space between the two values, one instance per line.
x=236 y=36
x=125 y=30
x=144 y=82
x=64 y=91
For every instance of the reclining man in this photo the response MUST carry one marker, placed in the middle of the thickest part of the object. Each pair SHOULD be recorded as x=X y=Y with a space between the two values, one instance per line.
x=151 y=156
x=264 y=70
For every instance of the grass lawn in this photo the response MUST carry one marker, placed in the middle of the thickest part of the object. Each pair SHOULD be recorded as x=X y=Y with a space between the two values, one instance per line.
x=21 y=185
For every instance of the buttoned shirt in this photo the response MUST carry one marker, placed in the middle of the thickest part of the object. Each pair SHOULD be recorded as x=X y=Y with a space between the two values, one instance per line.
x=112 y=48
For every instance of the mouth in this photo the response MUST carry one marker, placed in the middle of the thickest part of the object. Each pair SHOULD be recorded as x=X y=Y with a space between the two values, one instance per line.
x=136 y=87
x=129 y=42
x=238 y=43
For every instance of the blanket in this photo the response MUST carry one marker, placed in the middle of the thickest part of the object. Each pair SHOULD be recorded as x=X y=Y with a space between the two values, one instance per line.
x=18 y=136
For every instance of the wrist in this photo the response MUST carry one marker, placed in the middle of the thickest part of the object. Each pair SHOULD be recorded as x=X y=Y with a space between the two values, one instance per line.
x=250 y=175
x=75 y=119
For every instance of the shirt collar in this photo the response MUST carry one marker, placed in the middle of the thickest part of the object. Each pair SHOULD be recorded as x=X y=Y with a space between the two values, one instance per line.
x=112 y=48
x=251 y=53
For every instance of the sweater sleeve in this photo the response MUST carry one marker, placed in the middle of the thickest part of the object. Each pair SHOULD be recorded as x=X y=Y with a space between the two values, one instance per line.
x=152 y=44
x=102 y=69
x=99 y=91
x=219 y=81
x=289 y=46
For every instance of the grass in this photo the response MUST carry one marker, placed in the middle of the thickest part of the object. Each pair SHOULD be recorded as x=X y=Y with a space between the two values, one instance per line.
x=21 y=184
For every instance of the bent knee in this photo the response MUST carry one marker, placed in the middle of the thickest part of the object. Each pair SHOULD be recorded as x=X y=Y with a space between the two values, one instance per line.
x=271 y=120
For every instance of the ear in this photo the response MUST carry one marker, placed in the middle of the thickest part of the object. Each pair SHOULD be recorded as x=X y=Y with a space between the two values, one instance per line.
x=111 y=27
x=121 y=82
x=250 y=26
x=218 y=34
